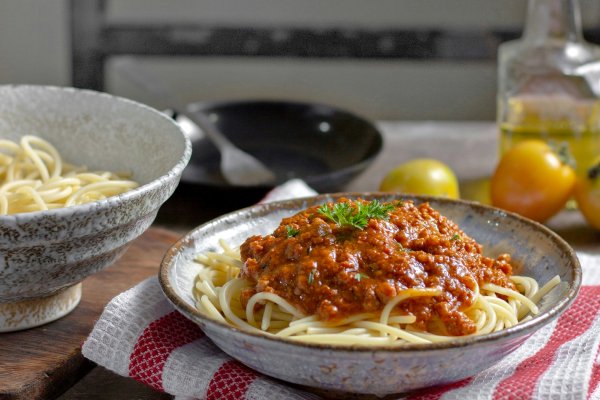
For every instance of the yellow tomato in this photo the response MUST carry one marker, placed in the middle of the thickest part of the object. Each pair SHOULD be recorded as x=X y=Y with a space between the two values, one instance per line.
x=587 y=194
x=532 y=180
x=421 y=176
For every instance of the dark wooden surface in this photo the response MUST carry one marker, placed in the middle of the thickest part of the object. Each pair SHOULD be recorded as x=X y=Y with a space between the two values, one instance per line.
x=43 y=362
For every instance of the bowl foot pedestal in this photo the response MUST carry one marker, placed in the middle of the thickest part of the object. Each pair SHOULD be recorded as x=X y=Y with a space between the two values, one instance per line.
x=34 y=312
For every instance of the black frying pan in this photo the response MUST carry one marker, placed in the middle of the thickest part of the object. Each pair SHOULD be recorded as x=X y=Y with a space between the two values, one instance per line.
x=323 y=145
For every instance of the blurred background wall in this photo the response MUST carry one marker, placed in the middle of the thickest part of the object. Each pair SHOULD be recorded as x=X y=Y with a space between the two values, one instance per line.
x=35 y=47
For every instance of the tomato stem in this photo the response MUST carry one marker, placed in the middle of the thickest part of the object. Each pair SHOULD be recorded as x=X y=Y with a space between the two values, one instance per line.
x=594 y=171
x=562 y=151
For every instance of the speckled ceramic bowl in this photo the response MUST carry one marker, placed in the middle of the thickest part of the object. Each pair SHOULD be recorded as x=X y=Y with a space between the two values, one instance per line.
x=44 y=255
x=536 y=251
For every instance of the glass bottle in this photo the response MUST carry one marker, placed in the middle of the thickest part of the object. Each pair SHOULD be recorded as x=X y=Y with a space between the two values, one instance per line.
x=549 y=83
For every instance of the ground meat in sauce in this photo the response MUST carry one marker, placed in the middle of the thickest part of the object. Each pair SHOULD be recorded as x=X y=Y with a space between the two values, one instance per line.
x=335 y=271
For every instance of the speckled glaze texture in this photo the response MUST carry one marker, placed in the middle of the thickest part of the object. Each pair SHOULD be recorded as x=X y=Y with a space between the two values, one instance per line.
x=537 y=252
x=44 y=252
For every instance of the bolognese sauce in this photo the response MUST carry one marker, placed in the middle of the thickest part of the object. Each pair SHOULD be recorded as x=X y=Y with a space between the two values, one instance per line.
x=333 y=269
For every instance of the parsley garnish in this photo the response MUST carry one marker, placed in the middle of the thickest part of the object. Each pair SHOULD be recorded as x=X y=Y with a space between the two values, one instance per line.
x=402 y=248
x=358 y=276
x=311 y=276
x=291 y=232
x=356 y=214
x=456 y=237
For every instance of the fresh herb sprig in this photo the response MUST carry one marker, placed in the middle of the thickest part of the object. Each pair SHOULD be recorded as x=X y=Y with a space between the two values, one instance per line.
x=402 y=248
x=311 y=276
x=356 y=214
x=290 y=231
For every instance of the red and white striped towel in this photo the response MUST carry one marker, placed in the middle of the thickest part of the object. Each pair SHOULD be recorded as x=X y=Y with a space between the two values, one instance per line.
x=140 y=335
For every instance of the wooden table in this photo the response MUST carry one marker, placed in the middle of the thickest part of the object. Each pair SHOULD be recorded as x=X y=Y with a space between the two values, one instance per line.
x=470 y=148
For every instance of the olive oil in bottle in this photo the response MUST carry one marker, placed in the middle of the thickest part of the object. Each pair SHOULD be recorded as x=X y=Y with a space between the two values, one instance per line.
x=549 y=83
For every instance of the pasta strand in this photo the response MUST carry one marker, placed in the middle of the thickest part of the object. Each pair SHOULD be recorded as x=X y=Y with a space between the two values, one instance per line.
x=33 y=177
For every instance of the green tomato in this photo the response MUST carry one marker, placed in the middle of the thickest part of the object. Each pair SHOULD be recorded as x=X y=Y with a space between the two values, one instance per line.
x=422 y=176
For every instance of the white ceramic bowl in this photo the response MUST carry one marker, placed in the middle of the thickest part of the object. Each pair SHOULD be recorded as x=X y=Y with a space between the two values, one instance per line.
x=45 y=254
x=536 y=251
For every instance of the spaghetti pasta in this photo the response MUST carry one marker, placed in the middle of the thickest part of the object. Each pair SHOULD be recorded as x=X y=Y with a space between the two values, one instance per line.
x=34 y=177
x=227 y=289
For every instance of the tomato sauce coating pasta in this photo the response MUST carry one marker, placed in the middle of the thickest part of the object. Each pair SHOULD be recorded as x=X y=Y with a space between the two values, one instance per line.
x=335 y=271
x=409 y=275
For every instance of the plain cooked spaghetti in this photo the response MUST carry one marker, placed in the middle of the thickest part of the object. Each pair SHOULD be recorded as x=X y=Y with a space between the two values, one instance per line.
x=410 y=276
x=33 y=177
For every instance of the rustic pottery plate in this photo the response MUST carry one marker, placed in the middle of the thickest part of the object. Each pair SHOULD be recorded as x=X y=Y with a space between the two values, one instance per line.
x=536 y=252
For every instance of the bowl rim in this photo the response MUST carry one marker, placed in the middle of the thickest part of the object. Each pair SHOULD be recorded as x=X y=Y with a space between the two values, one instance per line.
x=65 y=212
x=316 y=179
x=518 y=330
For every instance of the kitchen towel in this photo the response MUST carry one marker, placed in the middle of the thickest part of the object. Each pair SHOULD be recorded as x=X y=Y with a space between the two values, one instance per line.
x=140 y=335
